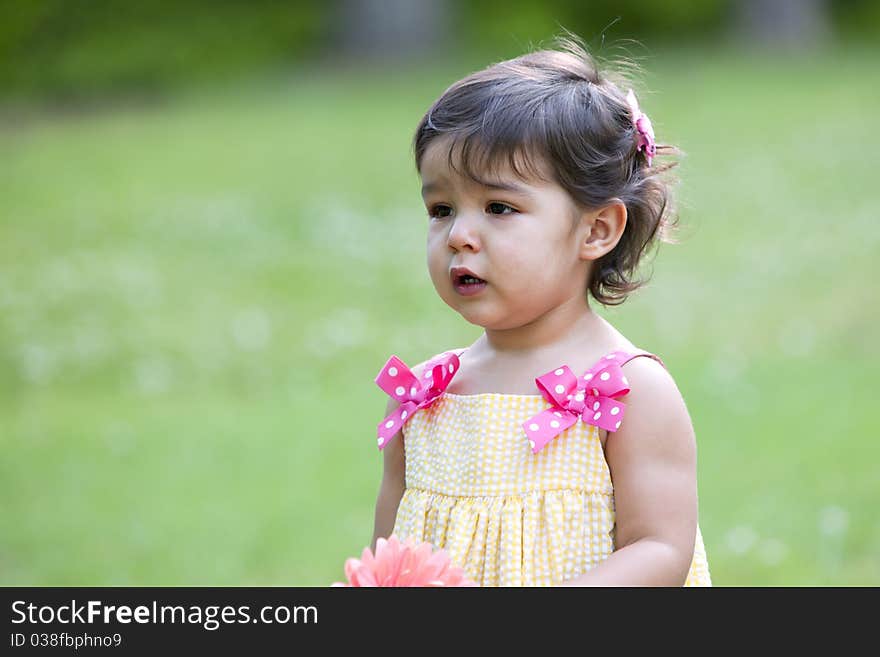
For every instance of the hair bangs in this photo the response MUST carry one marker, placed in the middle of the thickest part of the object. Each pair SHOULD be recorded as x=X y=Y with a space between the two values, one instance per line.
x=482 y=160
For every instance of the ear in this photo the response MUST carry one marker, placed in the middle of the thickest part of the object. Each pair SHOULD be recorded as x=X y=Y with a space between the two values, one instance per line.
x=601 y=229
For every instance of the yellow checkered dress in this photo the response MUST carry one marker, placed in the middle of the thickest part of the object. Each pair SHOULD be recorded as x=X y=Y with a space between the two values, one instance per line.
x=507 y=516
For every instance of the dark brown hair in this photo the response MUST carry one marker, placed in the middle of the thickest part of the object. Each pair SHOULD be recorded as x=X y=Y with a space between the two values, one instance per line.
x=554 y=107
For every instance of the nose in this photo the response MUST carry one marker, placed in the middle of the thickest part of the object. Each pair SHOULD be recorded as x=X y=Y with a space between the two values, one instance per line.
x=464 y=232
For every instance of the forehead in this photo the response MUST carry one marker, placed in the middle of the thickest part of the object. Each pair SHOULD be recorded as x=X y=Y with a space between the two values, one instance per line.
x=446 y=161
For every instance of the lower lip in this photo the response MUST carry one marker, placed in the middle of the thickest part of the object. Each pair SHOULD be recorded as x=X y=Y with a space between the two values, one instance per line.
x=469 y=290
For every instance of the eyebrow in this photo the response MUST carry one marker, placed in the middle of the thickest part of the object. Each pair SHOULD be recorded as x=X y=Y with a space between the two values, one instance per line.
x=488 y=184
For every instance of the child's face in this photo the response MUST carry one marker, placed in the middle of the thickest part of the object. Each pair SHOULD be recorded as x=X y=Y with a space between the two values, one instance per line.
x=523 y=242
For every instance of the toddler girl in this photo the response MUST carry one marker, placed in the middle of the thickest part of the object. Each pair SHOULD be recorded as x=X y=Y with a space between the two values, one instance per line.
x=551 y=451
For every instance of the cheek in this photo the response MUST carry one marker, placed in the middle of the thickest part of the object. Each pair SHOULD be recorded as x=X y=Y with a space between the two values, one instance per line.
x=541 y=266
x=530 y=258
x=436 y=259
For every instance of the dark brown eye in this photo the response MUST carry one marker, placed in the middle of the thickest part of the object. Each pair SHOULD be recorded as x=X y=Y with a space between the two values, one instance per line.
x=499 y=208
x=439 y=211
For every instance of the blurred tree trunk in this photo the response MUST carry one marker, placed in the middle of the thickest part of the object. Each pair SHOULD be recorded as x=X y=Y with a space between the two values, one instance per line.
x=782 y=23
x=385 y=29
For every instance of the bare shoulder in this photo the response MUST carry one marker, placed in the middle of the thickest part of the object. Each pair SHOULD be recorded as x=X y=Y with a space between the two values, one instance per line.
x=656 y=420
x=651 y=382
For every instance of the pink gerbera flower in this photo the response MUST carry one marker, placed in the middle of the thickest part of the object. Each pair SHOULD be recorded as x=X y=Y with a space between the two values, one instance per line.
x=403 y=564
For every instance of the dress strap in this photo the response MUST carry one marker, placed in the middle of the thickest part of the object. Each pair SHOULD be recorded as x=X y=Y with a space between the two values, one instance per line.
x=622 y=357
x=442 y=356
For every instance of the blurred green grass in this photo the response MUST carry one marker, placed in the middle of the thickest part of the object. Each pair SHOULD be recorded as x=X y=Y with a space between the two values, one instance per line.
x=195 y=296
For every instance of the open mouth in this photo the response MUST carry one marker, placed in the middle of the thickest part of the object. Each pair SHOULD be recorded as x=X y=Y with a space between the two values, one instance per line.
x=467 y=284
x=465 y=279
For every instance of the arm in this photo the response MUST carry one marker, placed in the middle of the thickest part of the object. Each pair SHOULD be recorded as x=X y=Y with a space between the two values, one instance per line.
x=652 y=459
x=393 y=478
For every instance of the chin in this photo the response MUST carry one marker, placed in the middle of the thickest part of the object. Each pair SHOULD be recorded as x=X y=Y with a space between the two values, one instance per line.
x=475 y=312
x=469 y=315
x=475 y=321
x=484 y=320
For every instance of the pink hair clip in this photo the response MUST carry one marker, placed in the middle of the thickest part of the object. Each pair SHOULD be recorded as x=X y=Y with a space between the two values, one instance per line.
x=643 y=125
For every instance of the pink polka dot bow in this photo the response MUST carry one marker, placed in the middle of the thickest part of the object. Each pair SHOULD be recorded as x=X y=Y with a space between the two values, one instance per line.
x=398 y=381
x=591 y=398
